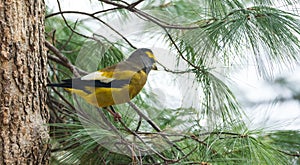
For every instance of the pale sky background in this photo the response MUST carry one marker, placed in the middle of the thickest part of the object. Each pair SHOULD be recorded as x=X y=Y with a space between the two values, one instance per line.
x=247 y=86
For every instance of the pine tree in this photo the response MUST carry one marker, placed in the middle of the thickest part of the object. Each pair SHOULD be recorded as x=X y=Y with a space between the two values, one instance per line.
x=209 y=39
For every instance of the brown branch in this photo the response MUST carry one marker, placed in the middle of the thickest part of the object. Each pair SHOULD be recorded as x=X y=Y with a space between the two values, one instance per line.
x=162 y=23
x=187 y=155
x=139 y=124
x=55 y=107
x=155 y=20
x=159 y=23
x=154 y=125
x=69 y=38
x=107 y=122
x=78 y=12
x=67 y=24
x=62 y=97
x=60 y=107
x=173 y=71
x=140 y=113
x=59 y=61
x=106 y=10
x=132 y=8
x=135 y=3
x=98 y=19
x=62 y=58
x=185 y=136
x=136 y=135
x=114 y=3
x=180 y=53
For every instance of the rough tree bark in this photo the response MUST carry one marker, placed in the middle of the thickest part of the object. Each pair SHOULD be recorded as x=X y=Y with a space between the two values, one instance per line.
x=23 y=114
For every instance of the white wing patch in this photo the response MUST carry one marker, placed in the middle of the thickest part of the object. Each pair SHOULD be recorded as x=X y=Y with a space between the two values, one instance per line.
x=97 y=76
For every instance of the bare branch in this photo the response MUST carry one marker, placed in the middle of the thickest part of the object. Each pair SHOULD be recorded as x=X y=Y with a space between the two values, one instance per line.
x=131 y=7
x=154 y=125
x=140 y=113
x=78 y=12
x=63 y=59
x=92 y=16
x=136 y=135
x=174 y=71
x=136 y=3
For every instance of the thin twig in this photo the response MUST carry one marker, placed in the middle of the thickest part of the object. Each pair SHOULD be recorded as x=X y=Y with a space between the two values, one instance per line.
x=178 y=50
x=54 y=106
x=65 y=12
x=140 y=113
x=139 y=124
x=136 y=135
x=67 y=24
x=174 y=71
x=149 y=17
x=104 y=11
x=62 y=58
x=159 y=23
x=154 y=125
x=107 y=122
x=187 y=155
x=62 y=97
x=98 y=19
x=69 y=38
x=136 y=3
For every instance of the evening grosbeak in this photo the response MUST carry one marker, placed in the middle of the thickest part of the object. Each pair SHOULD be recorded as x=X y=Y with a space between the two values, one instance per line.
x=114 y=84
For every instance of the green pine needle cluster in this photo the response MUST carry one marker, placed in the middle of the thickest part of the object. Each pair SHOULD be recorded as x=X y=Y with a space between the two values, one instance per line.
x=208 y=36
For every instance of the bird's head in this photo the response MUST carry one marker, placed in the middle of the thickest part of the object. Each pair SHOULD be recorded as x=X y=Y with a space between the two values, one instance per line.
x=144 y=59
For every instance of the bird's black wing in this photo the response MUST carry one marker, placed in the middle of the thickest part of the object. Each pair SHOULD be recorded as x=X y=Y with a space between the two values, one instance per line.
x=77 y=83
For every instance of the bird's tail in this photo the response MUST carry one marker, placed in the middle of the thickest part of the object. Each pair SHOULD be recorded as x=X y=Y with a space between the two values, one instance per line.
x=72 y=86
x=65 y=84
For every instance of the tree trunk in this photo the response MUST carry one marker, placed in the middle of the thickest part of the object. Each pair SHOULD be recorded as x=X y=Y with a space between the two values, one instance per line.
x=23 y=114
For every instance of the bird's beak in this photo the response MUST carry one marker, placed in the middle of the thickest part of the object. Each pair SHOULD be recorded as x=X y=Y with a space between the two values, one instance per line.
x=154 y=67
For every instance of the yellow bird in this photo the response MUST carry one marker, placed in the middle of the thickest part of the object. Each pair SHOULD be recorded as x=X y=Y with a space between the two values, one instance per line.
x=114 y=84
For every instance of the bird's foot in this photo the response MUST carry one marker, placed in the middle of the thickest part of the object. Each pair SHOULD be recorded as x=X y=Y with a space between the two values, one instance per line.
x=116 y=115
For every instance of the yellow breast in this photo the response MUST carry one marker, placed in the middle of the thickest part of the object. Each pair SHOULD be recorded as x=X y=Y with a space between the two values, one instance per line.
x=104 y=97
